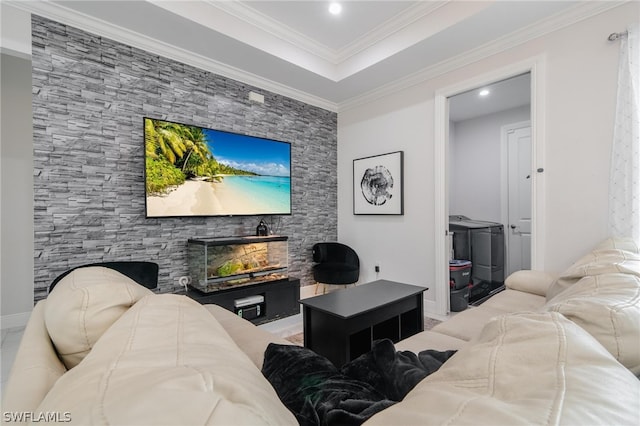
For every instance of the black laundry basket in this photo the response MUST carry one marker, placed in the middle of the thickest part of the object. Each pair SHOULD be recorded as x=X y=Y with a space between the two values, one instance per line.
x=460 y=283
x=459 y=299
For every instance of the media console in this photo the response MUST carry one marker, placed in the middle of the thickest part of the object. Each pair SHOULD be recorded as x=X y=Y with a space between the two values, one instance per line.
x=279 y=300
x=246 y=275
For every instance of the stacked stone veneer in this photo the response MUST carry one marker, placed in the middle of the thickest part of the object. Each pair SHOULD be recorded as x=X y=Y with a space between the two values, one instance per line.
x=90 y=95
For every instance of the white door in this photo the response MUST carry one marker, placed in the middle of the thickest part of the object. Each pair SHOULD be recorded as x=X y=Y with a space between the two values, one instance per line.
x=519 y=175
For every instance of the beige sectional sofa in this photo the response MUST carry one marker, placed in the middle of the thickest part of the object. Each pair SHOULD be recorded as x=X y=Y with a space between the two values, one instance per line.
x=561 y=349
x=525 y=291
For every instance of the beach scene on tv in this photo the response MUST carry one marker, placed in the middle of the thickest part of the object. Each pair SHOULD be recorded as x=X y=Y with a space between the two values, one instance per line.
x=195 y=171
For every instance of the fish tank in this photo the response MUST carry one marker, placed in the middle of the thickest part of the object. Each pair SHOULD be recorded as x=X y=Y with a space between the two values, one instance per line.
x=217 y=264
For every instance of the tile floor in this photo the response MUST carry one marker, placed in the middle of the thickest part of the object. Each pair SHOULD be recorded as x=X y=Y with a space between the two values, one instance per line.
x=10 y=341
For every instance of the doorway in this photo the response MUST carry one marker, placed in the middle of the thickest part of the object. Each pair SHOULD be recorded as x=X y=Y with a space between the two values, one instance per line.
x=487 y=175
x=445 y=168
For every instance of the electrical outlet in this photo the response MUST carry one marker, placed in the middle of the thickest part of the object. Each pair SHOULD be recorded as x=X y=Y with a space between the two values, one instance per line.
x=377 y=268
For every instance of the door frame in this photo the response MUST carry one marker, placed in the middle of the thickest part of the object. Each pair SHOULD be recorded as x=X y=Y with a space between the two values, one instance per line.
x=504 y=181
x=535 y=66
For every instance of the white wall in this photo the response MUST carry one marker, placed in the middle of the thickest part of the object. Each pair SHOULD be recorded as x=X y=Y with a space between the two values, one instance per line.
x=399 y=244
x=475 y=164
x=16 y=168
x=580 y=71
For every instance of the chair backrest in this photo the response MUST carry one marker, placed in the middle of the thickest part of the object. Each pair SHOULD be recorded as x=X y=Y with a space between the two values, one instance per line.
x=144 y=273
x=333 y=252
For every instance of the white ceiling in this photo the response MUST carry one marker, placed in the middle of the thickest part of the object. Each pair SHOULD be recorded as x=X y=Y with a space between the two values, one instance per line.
x=298 y=49
x=502 y=95
x=310 y=18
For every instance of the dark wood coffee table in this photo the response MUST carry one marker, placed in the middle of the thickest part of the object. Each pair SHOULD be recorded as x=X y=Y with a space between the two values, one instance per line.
x=343 y=324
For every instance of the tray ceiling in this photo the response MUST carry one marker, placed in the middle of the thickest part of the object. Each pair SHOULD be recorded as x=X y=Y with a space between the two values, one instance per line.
x=297 y=48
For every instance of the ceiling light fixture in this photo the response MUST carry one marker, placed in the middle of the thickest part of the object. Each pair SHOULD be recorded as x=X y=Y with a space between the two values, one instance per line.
x=484 y=92
x=335 y=8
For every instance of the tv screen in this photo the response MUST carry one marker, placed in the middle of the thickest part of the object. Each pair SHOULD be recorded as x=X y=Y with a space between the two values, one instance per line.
x=196 y=171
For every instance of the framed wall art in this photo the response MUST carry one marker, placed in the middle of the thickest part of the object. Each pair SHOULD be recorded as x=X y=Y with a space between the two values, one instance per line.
x=378 y=184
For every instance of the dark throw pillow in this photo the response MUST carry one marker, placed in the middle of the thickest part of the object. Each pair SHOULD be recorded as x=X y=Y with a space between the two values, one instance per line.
x=315 y=391
x=394 y=373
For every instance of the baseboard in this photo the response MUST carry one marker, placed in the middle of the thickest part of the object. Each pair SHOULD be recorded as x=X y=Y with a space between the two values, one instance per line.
x=430 y=309
x=284 y=327
x=14 y=320
x=320 y=289
x=308 y=291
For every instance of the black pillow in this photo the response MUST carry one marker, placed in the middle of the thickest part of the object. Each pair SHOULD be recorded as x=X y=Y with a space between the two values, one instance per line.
x=317 y=393
x=144 y=273
x=313 y=389
x=394 y=373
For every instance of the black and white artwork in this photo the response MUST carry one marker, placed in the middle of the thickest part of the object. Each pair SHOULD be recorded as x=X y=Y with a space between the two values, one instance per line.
x=377 y=184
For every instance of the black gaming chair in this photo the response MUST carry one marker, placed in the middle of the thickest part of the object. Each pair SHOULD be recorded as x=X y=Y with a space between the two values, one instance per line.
x=336 y=263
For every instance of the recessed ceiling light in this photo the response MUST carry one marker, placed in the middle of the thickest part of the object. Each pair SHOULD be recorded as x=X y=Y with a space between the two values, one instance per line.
x=335 y=8
x=484 y=92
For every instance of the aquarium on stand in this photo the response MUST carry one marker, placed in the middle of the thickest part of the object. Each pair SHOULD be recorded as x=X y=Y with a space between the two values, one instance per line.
x=217 y=264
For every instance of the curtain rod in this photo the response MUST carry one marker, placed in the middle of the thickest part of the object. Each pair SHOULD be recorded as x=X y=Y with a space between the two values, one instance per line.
x=615 y=36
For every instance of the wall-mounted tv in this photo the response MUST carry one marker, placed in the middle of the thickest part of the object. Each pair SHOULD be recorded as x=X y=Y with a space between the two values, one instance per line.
x=196 y=171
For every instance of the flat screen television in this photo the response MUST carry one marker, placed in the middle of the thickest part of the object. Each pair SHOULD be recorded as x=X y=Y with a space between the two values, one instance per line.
x=196 y=171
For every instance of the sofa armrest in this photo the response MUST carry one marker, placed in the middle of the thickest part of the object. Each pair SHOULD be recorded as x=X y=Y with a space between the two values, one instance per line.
x=534 y=282
x=36 y=367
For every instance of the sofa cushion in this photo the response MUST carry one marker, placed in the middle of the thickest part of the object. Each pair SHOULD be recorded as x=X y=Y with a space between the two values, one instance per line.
x=36 y=367
x=166 y=361
x=508 y=301
x=467 y=324
x=607 y=307
x=530 y=368
x=528 y=281
x=598 y=262
x=626 y=244
x=429 y=340
x=83 y=305
x=252 y=340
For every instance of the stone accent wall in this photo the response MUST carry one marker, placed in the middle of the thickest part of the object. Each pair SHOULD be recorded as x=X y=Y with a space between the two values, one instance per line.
x=90 y=95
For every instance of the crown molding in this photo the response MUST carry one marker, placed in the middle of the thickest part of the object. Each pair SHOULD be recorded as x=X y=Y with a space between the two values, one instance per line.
x=269 y=25
x=426 y=26
x=290 y=36
x=246 y=25
x=99 y=27
x=560 y=20
x=402 y=20
x=88 y=23
x=15 y=53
